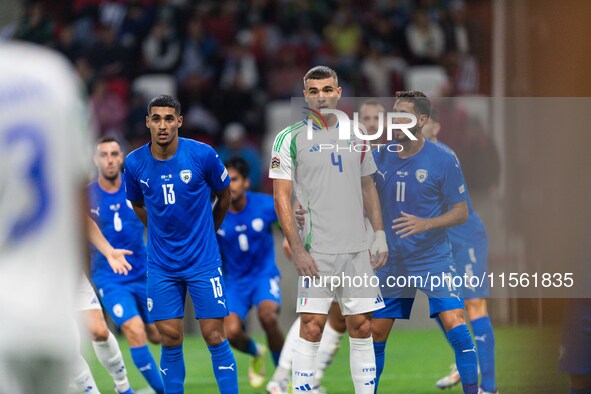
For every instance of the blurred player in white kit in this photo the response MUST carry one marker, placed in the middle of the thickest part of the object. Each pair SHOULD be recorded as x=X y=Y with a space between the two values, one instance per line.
x=44 y=151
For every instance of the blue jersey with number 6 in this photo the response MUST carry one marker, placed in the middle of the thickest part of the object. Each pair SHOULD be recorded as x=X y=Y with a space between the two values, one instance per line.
x=176 y=193
x=122 y=228
x=423 y=185
x=246 y=239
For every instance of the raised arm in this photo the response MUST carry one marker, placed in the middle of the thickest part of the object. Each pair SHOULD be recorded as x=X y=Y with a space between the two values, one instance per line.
x=115 y=257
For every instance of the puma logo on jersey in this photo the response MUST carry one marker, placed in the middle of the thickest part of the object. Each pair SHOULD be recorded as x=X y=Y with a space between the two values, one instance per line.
x=383 y=174
x=454 y=295
x=95 y=211
x=230 y=367
x=145 y=182
x=222 y=302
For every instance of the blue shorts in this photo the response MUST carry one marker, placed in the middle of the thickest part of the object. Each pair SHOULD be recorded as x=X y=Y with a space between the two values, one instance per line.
x=242 y=295
x=472 y=260
x=167 y=292
x=399 y=296
x=575 y=345
x=122 y=301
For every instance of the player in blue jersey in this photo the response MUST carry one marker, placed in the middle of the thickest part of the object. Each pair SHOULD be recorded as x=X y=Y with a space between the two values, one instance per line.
x=422 y=192
x=123 y=296
x=169 y=182
x=250 y=274
x=469 y=244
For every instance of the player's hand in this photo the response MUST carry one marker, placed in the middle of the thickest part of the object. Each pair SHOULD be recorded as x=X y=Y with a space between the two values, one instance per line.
x=286 y=248
x=379 y=250
x=410 y=224
x=300 y=216
x=117 y=261
x=305 y=264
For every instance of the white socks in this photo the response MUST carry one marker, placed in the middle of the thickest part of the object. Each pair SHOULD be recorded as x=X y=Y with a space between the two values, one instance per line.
x=282 y=372
x=329 y=344
x=110 y=356
x=84 y=380
x=304 y=365
x=363 y=365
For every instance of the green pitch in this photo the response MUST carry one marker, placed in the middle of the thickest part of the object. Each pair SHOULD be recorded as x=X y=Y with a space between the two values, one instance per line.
x=526 y=363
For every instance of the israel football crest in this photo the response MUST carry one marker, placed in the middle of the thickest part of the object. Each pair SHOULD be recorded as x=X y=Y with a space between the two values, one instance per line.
x=186 y=175
x=421 y=175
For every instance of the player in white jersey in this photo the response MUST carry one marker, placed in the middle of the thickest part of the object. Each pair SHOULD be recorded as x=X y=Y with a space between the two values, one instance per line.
x=44 y=151
x=335 y=187
x=335 y=328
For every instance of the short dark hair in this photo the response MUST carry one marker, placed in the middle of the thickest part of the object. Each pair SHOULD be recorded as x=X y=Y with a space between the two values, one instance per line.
x=104 y=140
x=420 y=101
x=239 y=164
x=165 y=101
x=372 y=102
x=321 y=72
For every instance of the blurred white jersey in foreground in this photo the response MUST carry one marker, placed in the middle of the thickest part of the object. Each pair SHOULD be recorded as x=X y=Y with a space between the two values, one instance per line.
x=44 y=162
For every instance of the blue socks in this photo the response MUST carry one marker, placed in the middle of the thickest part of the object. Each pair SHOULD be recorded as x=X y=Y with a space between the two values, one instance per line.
x=251 y=348
x=224 y=368
x=143 y=360
x=172 y=367
x=275 y=356
x=379 y=349
x=484 y=337
x=466 y=360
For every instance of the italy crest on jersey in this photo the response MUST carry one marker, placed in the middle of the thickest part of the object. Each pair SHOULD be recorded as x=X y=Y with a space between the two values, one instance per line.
x=186 y=175
x=421 y=175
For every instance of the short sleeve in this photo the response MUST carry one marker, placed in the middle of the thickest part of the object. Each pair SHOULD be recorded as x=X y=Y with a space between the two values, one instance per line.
x=132 y=187
x=216 y=174
x=280 y=167
x=453 y=184
x=368 y=165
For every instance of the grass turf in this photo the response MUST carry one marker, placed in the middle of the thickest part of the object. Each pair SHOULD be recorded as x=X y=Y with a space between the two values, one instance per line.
x=526 y=362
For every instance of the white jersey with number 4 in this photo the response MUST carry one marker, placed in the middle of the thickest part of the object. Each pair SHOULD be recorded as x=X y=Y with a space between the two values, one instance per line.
x=327 y=183
x=44 y=162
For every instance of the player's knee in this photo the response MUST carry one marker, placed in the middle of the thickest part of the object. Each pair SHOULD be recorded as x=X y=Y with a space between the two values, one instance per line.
x=312 y=331
x=154 y=337
x=171 y=337
x=268 y=317
x=100 y=333
x=360 y=328
x=135 y=334
x=214 y=337
x=233 y=331
x=476 y=308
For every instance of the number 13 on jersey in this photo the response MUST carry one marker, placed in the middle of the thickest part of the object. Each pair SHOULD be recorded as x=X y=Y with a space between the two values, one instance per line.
x=168 y=191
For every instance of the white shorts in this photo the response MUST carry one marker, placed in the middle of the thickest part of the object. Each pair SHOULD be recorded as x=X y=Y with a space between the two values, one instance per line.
x=86 y=298
x=345 y=277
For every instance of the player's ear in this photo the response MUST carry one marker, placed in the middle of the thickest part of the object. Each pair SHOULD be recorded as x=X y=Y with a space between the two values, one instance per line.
x=147 y=121
x=180 y=121
x=339 y=91
x=247 y=183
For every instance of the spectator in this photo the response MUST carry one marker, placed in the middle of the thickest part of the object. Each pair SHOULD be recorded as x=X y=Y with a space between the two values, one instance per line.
x=36 y=26
x=161 y=49
x=109 y=110
x=108 y=56
x=425 y=39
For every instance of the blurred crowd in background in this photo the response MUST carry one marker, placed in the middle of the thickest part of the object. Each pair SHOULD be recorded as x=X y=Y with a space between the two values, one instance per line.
x=227 y=59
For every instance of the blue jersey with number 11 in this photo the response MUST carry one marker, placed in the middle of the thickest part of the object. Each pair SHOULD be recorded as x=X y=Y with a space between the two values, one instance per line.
x=423 y=185
x=176 y=193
